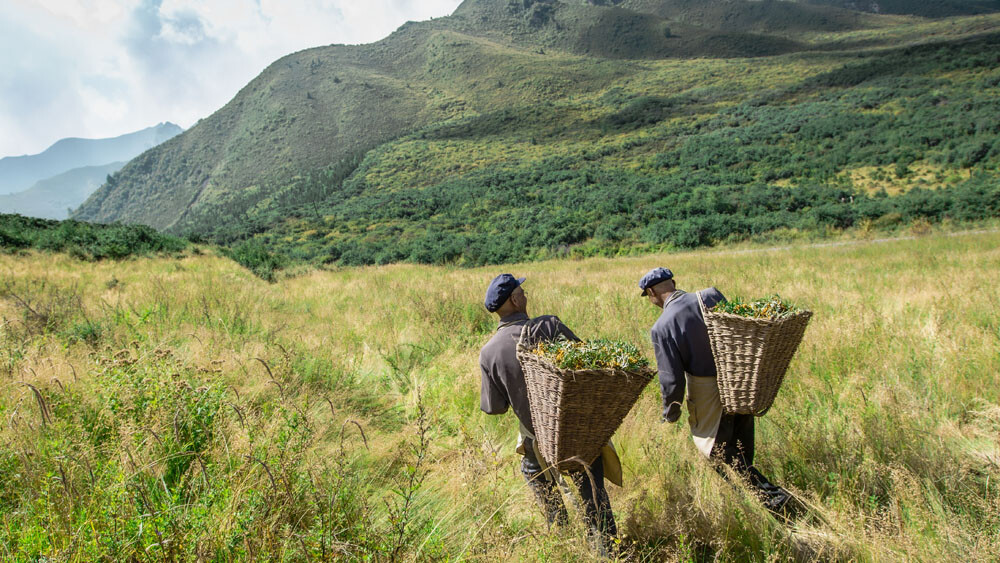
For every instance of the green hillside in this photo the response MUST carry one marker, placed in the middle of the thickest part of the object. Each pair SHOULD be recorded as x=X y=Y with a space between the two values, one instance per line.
x=518 y=130
x=923 y=8
x=317 y=107
x=781 y=18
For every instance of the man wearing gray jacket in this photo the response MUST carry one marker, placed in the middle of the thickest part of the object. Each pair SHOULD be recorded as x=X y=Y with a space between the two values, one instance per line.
x=684 y=359
x=504 y=388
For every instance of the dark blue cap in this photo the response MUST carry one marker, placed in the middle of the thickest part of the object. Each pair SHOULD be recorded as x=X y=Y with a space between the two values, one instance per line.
x=500 y=289
x=653 y=277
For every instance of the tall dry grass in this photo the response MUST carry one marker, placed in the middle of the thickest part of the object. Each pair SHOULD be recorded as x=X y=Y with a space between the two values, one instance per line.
x=162 y=409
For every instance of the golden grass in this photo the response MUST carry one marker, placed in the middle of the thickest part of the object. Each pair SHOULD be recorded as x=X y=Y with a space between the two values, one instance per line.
x=887 y=426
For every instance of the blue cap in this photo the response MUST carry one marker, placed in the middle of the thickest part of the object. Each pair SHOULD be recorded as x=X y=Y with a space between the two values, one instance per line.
x=653 y=277
x=500 y=289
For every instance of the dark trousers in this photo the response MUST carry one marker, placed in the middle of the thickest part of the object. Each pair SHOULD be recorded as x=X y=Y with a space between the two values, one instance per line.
x=596 y=504
x=734 y=444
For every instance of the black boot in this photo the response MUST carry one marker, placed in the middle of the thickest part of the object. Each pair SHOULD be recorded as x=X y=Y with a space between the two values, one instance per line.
x=601 y=528
x=545 y=491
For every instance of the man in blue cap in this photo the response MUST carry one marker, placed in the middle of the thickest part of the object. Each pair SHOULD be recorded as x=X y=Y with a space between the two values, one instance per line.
x=684 y=356
x=503 y=387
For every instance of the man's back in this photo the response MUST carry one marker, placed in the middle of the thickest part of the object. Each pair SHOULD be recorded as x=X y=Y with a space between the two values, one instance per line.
x=503 y=383
x=680 y=342
x=682 y=323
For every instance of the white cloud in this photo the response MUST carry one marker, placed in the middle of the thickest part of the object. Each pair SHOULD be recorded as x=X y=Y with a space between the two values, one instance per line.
x=100 y=68
x=86 y=14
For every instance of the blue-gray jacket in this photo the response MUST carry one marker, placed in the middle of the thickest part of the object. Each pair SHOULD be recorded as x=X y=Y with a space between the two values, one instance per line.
x=680 y=342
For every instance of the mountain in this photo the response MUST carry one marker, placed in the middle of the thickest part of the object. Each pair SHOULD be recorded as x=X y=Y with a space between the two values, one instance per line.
x=326 y=105
x=510 y=130
x=52 y=198
x=19 y=173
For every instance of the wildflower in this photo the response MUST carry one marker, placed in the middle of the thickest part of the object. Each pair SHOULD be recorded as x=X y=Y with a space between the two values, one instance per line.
x=772 y=308
x=595 y=354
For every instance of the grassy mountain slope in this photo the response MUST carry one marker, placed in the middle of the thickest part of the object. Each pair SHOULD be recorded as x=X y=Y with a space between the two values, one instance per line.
x=607 y=31
x=496 y=134
x=53 y=198
x=769 y=17
x=922 y=8
x=303 y=112
x=18 y=173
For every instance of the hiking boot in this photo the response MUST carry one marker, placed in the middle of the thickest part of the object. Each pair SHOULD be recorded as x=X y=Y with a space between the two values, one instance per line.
x=777 y=500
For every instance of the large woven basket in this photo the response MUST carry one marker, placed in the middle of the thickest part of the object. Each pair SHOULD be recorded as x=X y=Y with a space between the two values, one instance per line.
x=575 y=412
x=752 y=356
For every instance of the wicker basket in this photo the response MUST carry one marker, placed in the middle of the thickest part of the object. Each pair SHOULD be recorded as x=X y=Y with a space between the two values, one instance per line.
x=752 y=356
x=575 y=412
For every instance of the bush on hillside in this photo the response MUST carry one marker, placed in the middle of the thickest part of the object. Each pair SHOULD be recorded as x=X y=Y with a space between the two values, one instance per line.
x=254 y=256
x=87 y=241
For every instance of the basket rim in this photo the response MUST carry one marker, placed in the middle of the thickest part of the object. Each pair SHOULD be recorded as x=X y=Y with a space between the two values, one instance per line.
x=762 y=321
x=646 y=372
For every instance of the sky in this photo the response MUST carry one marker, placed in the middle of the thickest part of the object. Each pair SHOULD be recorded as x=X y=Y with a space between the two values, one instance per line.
x=103 y=68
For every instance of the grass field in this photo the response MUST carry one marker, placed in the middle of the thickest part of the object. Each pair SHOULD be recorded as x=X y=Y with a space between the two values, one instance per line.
x=182 y=409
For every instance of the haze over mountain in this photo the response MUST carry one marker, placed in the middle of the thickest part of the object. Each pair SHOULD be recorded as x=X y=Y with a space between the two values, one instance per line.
x=385 y=147
x=53 y=198
x=18 y=173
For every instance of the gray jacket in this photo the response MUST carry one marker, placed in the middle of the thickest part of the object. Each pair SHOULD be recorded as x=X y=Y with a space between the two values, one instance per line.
x=680 y=342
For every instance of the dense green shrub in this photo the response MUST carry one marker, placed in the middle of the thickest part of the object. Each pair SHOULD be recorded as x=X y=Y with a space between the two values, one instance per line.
x=254 y=256
x=85 y=240
x=647 y=110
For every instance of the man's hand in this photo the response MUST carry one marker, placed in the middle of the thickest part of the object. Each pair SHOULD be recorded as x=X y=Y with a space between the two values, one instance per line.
x=671 y=413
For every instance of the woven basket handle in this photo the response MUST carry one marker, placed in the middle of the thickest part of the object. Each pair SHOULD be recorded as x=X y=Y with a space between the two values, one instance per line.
x=522 y=339
x=701 y=303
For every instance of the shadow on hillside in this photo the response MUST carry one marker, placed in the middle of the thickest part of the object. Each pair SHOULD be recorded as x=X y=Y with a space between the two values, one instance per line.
x=982 y=51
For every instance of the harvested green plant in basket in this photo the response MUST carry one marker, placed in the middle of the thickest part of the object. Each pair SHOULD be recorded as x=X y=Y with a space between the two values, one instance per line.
x=594 y=354
x=772 y=308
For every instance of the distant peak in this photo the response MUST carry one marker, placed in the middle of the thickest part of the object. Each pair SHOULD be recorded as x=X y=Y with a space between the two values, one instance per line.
x=169 y=125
